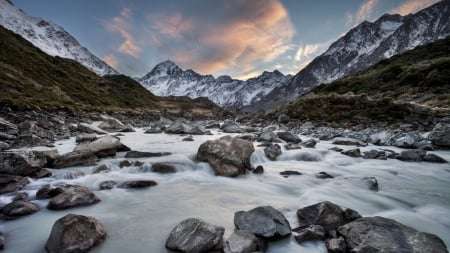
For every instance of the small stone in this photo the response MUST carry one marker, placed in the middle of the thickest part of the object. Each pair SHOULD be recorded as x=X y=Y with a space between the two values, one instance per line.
x=272 y=151
x=311 y=143
x=412 y=155
x=107 y=185
x=101 y=168
x=19 y=208
x=125 y=163
x=189 y=138
x=323 y=175
x=258 y=170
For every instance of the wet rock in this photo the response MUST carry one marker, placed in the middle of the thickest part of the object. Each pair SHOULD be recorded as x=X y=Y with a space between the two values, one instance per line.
x=75 y=233
x=211 y=124
x=138 y=163
x=370 y=182
x=412 y=155
x=267 y=136
x=288 y=173
x=153 y=130
x=189 y=138
x=126 y=129
x=323 y=175
x=43 y=193
x=137 y=184
x=378 y=234
x=243 y=241
x=11 y=183
x=83 y=157
x=42 y=173
x=289 y=137
x=21 y=196
x=440 y=136
x=336 y=245
x=86 y=128
x=69 y=175
x=336 y=149
x=103 y=147
x=374 y=154
x=352 y=152
x=107 y=185
x=258 y=170
x=263 y=221
x=110 y=124
x=311 y=143
x=101 y=168
x=311 y=233
x=21 y=162
x=85 y=137
x=326 y=214
x=3 y=146
x=163 y=168
x=125 y=163
x=183 y=127
x=292 y=146
x=407 y=141
x=19 y=208
x=228 y=156
x=195 y=236
x=272 y=151
x=72 y=196
x=231 y=127
x=433 y=158
x=348 y=142
x=140 y=154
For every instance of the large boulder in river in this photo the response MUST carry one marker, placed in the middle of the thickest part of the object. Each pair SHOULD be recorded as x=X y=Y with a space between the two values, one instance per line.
x=263 y=221
x=72 y=196
x=244 y=241
x=80 y=157
x=378 y=234
x=228 y=156
x=327 y=214
x=105 y=146
x=11 y=183
x=195 y=236
x=21 y=162
x=75 y=234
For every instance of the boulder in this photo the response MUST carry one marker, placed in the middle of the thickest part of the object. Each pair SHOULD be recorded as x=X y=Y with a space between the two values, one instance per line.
x=125 y=163
x=407 y=141
x=111 y=124
x=140 y=154
x=137 y=184
x=183 y=127
x=352 y=152
x=19 y=208
x=412 y=155
x=348 y=142
x=90 y=129
x=433 y=158
x=101 y=168
x=311 y=233
x=231 y=127
x=378 y=234
x=72 y=196
x=189 y=138
x=326 y=214
x=11 y=183
x=48 y=192
x=163 y=168
x=263 y=221
x=243 y=241
x=440 y=136
x=75 y=234
x=195 y=236
x=311 y=143
x=267 y=136
x=83 y=157
x=272 y=151
x=107 y=185
x=105 y=146
x=85 y=137
x=21 y=162
x=336 y=245
x=228 y=156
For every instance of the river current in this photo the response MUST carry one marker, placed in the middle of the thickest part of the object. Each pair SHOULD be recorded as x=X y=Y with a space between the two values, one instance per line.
x=136 y=221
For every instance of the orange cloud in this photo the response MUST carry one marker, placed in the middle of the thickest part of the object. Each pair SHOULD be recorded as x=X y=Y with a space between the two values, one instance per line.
x=173 y=25
x=110 y=60
x=120 y=24
x=363 y=13
x=412 y=6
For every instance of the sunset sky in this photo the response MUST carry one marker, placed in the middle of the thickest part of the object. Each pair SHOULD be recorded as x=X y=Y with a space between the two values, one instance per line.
x=240 y=38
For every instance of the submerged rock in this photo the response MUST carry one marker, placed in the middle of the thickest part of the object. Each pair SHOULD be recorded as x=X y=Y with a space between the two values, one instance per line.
x=311 y=233
x=272 y=151
x=195 y=236
x=75 y=234
x=72 y=196
x=101 y=168
x=288 y=173
x=311 y=143
x=19 y=208
x=323 y=175
x=243 y=241
x=258 y=170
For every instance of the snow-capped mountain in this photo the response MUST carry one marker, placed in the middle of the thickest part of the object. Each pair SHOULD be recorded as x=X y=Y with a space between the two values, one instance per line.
x=50 y=38
x=167 y=79
x=363 y=46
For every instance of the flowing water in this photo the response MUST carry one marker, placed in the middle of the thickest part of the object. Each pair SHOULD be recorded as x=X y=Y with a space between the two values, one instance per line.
x=415 y=194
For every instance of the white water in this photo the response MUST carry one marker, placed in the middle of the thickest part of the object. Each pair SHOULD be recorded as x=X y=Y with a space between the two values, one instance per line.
x=416 y=194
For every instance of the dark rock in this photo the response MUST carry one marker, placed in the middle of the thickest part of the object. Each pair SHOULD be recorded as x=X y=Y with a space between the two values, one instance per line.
x=326 y=214
x=440 y=136
x=272 y=151
x=352 y=152
x=101 y=168
x=11 y=183
x=19 y=208
x=42 y=173
x=374 y=154
x=243 y=241
x=231 y=127
x=21 y=162
x=125 y=163
x=86 y=128
x=336 y=245
x=43 y=193
x=289 y=137
x=370 y=182
x=433 y=158
x=258 y=170
x=288 y=173
x=348 y=142
x=85 y=137
x=267 y=136
x=292 y=146
x=29 y=140
x=412 y=155
x=311 y=143
x=137 y=184
x=107 y=185
x=140 y=154
x=153 y=130
x=75 y=234
x=163 y=168
x=378 y=234
x=72 y=196
x=228 y=156
x=21 y=196
x=189 y=138
x=311 y=233
x=75 y=158
x=263 y=221
x=195 y=236
x=138 y=163
x=336 y=149
x=323 y=175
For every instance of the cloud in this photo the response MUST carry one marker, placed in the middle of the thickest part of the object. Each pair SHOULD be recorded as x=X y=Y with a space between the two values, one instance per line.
x=110 y=60
x=363 y=13
x=306 y=51
x=412 y=6
x=121 y=25
x=171 y=24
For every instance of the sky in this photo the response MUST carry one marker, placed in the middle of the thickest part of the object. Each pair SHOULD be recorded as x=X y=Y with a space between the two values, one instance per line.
x=240 y=38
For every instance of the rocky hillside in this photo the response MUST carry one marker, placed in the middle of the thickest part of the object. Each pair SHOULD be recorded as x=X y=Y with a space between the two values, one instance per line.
x=363 y=46
x=412 y=86
x=168 y=79
x=50 y=38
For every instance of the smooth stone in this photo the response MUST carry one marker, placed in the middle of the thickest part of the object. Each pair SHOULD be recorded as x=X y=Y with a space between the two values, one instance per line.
x=19 y=208
x=11 y=183
x=163 y=168
x=243 y=241
x=272 y=151
x=140 y=154
x=107 y=185
x=412 y=155
x=101 y=169
x=433 y=158
x=258 y=170
x=137 y=184
x=311 y=143
x=75 y=158
x=323 y=175
x=125 y=163
x=289 y=137
x=288 y=173
x=72 y=196
x=352 y=152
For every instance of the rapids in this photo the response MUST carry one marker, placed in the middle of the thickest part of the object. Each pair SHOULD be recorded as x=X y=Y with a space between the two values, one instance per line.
x=415 y=194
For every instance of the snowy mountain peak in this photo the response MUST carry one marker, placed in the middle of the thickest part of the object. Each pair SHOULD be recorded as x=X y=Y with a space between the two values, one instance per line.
x=50 y=38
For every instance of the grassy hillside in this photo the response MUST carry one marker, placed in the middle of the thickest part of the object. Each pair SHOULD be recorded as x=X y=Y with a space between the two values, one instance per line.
x=30 y=78
x=412 y=86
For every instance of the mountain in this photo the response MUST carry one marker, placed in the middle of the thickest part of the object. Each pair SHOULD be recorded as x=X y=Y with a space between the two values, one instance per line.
x=31 y=79
x=413 y=86
x=50 y=38
x=167 y=79
x=363 y=46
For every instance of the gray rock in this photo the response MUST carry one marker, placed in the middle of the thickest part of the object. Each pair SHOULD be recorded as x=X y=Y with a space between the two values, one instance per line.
x=107 y=185
x=21 y=162
x=407 y=141
x=3 y=146
x=85 y=137
x=348 y=142
x=433 y=158
x=86 y=128
x=336 y=149
x=440 y=136
x=101 y=168
x=228 y=156
x=163 y=168
x=75 y=158
x=103 y=147
x=412 y=155
x=370 y=182
x=137 y=184
x=374 y=154
x=110 y=124
x=243 y=241
x=75 y=234
x=183 y=127
x=72 y=196
x=189 y=138
x=336 y=245
x=326 y=214
x=125 y=163
x=378 y=234
x=311 y=143
x=231 y=127
x=272 y=151
x=311 y=233
x=323 y=175
x=126 y=129
x=21 y=196
x=153 y=130
x=195 y=236
x=267 y=136
x=11 y=183
x=352 y=152
x=19 y=208
x=292 y=146
x=263 y=221
x=141 y=154
x=289 y=137
x=7 y=127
